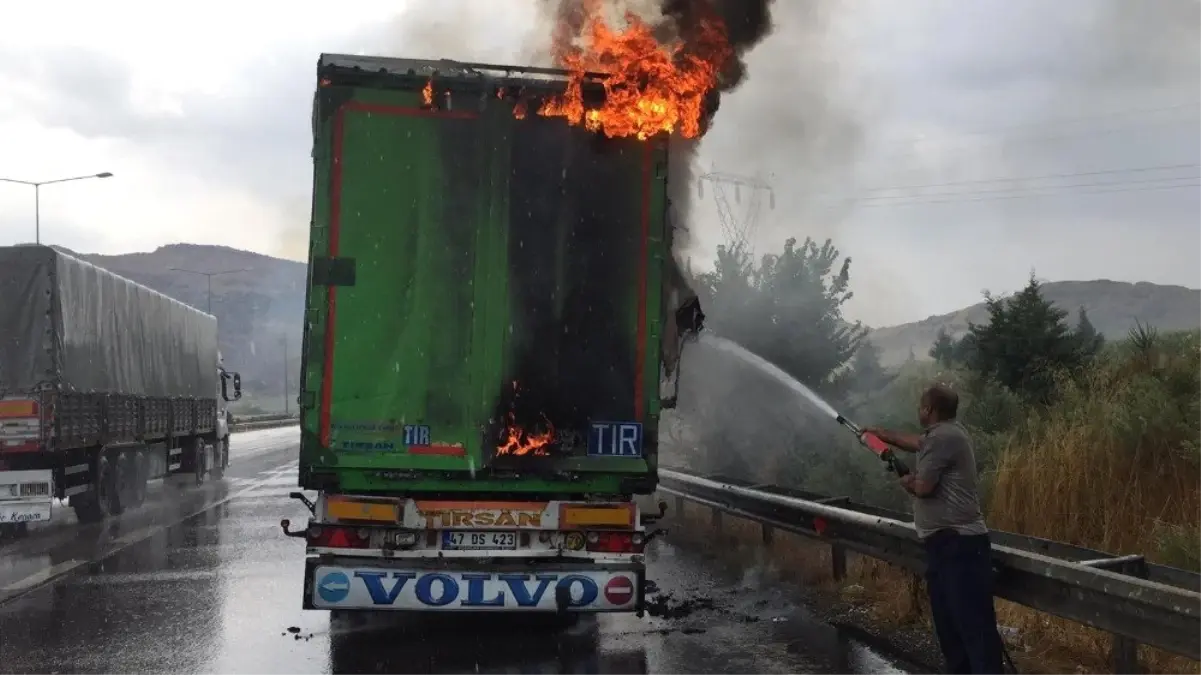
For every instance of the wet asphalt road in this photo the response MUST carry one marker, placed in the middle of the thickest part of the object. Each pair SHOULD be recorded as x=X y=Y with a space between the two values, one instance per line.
x=200 y=579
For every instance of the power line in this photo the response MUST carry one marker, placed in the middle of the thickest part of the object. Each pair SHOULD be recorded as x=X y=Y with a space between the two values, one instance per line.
x=986 y=181
x=967 y=140
x=1072 y=193
x=1019 y=189
x=993 y=131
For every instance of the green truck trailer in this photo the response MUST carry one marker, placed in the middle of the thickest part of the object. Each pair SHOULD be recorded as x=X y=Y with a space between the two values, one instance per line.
x=492 y=304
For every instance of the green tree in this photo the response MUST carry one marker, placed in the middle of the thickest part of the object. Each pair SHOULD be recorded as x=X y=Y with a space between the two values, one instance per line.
x=866 y=371
x=948 y=351
x=788 y=310
x=943 y=349
x=1025 y=343
x=1090 y=342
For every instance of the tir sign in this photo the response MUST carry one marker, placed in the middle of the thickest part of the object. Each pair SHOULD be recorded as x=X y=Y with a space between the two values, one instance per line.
x=615 y=439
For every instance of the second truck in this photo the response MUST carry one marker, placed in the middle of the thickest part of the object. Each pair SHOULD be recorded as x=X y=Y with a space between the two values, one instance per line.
x=491 y=304
x=105 y=384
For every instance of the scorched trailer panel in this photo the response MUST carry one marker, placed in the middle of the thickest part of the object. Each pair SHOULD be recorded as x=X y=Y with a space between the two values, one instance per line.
x=480 y=281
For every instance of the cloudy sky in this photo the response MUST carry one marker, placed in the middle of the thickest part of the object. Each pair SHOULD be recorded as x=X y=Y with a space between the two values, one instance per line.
x=947 y=146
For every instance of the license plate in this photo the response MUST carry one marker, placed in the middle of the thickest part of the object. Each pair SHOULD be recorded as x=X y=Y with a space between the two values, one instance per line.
x=467 y=541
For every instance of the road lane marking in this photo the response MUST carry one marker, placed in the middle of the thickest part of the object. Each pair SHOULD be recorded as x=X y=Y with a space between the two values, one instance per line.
x=22 y=586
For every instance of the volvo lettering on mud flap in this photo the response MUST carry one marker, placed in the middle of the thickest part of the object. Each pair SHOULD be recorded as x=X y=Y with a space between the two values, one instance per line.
x=364 y=588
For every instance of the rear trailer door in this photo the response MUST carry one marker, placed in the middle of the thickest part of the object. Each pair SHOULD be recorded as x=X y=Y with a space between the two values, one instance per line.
x=479 y=284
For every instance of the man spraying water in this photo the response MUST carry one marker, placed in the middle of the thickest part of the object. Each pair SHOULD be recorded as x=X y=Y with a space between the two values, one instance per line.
x=949 y=521
x=946 y=510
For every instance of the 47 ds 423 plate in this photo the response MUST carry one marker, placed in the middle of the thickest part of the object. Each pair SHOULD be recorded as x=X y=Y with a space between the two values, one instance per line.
x=486 y=294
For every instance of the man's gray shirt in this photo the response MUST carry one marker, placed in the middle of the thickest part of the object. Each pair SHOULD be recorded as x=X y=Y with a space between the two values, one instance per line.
x=946 y=460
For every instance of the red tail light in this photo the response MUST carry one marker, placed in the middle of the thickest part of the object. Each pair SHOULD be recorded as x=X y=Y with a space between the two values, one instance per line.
x=615 y=542
x=18 y=408
x=327 y=536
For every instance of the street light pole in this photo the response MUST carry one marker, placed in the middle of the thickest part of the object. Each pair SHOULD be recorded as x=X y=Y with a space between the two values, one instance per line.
x=209 y=276
x=287 y=409
x=37 y=195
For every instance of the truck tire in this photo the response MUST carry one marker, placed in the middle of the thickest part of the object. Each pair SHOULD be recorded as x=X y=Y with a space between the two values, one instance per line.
x=97 y=503
x=221 y=458
x=341 y=620
x=199 y=458
x=13 y=531
x=135 y=472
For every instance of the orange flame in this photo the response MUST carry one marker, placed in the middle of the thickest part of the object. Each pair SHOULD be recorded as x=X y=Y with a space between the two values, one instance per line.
x=519 y=442
x=651 y=87
x=427 y=93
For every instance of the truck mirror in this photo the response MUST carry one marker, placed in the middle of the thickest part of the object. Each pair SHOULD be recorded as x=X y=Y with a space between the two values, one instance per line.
x=225 y=378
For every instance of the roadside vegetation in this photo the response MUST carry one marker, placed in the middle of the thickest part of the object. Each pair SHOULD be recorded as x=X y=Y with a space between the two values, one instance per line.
x=1079 y=439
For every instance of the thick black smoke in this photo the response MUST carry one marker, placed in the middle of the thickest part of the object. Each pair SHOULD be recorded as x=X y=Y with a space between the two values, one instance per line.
x=745 y=22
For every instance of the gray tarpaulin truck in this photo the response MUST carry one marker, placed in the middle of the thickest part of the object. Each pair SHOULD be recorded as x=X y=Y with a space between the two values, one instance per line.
x=104 y=385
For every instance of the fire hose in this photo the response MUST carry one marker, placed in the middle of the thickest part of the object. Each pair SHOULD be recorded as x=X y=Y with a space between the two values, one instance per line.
x=876 y=445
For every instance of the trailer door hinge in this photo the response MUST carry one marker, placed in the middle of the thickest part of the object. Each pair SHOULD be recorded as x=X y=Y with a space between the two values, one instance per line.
x=333 y=271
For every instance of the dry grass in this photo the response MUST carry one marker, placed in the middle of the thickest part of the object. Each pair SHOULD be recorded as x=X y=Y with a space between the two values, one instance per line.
x=1071 y=479
x=1094 y=471
x=895 y=597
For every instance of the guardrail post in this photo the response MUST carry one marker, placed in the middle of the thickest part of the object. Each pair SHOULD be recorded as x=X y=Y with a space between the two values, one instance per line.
x=838 y=554
x=715 y=519
x=838 y=562
x=1123 y=654
x=679 y=504
x=768 y=534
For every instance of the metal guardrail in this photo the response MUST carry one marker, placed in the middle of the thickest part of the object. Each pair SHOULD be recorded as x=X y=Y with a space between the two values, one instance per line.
x=1138 y=602
x=269 y=421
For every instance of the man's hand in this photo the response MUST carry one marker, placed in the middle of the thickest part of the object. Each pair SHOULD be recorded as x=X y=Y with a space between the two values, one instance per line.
x=918 y=488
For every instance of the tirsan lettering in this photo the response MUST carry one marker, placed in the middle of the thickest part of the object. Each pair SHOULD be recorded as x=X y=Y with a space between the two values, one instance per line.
x=491 y=518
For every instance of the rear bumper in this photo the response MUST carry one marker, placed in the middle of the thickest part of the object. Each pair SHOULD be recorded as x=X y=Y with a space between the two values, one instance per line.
x=343 y=583
x=36 y=504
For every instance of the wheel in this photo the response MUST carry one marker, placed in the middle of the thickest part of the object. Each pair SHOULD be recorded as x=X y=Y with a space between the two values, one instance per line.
x=220 y=458
x=97 y=503
x=199 y=459
x=341 y=620
x=116 y=487
x=13 y=531
x=135 y=471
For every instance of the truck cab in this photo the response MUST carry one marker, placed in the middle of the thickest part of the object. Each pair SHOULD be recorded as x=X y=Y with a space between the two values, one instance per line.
x=229 y=389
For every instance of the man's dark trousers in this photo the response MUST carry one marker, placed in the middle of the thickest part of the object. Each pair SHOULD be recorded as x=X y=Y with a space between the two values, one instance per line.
x=959 y=578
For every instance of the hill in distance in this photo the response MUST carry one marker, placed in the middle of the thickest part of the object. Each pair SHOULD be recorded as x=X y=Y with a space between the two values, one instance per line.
x=1114 y=307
